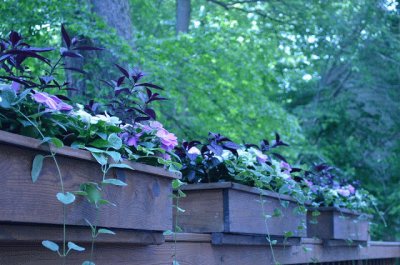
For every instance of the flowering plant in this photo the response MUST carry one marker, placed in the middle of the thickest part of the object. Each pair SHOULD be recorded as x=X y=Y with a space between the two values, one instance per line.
x=328 y=187
x=36 y=105
x=45 y=105
x=220 y=159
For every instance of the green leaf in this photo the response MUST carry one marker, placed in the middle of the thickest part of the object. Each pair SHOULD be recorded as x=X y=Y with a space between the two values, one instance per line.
x=288 y=234
x=57 y=142
x=114 y=155
x=168 y=233
x=115 y=182
x=7 y=97
x=80 y=193
x=88 y=263
x=75 y=247
x=99 y=143
x=21 y=96
x=66 y=198
x=100 y=158
x=176 y=183
x=277 y=212
x=93 y=192
x=105 y=202
x=45 y=140
x=50 y=245
x=105 y=231
x=94 y=150
x=37 y=165
x=181 y=194
x=125 y=166
x=114 y=141
x=315 y=213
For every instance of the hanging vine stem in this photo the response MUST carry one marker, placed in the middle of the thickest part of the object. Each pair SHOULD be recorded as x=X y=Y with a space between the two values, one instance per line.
x=176 y=184
x=53 y=156
x=264 y=214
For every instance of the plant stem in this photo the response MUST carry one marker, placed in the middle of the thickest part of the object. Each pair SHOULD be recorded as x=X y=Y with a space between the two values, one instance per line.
x=94 y=235
x=176 y=225
x=53 y=155
x=266 y=226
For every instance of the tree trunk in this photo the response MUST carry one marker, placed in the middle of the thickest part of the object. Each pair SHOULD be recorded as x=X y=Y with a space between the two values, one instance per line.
x=182 y=16
x=116 y=13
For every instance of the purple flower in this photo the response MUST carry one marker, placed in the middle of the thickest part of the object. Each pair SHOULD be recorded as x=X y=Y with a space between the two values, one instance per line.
x=129 y=139
x=308 y=183
x=153 y=125
x=53 y=103
x=286 y=167
x=193 y=153
x=168 y=140
x=261 y=158
x=343 y=192
x=15 y=86
x=351 y=189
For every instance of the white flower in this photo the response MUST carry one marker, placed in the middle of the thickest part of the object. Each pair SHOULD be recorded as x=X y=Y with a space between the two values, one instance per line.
x=194 y=151
x=85 y=117
x=112 y=120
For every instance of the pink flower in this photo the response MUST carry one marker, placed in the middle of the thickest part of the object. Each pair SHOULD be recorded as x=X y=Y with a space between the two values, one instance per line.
x=261 y=158
x=343 y=192
x=351 y=189
x=168 y=140
x=53 y=103
x=153 y=125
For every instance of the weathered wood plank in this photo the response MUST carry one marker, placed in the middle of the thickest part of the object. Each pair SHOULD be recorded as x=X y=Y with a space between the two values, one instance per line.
x=246 y=215
x=199 y=253
x=27 y=142
x=231 y=208
x=337 y=224
x=144 y=204
x=251 y=240
x=28 y=233
x=235 y=186
x=203 y=211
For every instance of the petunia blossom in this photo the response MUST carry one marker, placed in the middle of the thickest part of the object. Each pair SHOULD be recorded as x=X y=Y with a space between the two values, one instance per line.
x=261 y=158
x=351 y=189
x=152 y=126
x=286 y=167
x=343 y=192
x=52 y=103
x=168 y=140
x=130 y=139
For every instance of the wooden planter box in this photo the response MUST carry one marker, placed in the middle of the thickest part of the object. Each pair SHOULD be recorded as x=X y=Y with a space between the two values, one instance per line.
x=144 y=205
x=234 y=208
x=337 y=224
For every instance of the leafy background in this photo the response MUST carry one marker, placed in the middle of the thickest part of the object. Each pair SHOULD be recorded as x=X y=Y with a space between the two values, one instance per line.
x=324 y=74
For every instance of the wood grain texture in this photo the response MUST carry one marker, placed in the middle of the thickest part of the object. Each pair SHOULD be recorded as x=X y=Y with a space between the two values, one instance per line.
x=338 y=225
x=30 y=143
x=144 y=204
x=200 y=253
x=28 y=233
x=251 y=240
x=230 y=208
x=245 y=215
x=203 y=211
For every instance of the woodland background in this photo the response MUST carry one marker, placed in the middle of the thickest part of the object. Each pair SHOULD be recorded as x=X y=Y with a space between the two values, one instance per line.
x=324 y=74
